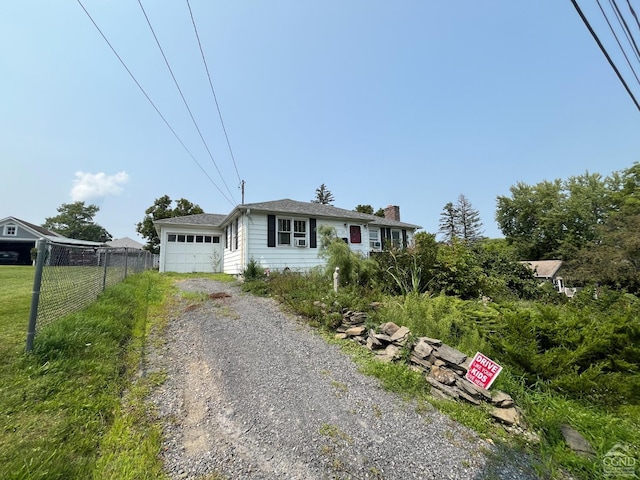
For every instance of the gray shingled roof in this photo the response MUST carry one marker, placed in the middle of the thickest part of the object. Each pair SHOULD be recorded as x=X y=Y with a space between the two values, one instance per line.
x=544 y=268
x=37 y=228
x=319 y=210
x=203 y=219
x=125 y=242
x=286 y=206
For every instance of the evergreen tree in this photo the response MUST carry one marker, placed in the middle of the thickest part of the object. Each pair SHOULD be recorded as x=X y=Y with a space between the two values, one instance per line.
x=469 y=223
x=449 y=223
x=323 y=195
x=460 y=222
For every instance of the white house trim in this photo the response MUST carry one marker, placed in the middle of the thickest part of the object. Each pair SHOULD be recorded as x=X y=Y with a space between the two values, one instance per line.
x=271 y=233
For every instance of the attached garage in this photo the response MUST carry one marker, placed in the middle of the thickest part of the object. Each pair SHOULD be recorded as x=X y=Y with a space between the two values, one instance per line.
x=191 y=244
x=192 y=252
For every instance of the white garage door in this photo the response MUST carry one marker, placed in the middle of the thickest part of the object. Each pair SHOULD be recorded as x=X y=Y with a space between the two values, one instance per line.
x=186 y=253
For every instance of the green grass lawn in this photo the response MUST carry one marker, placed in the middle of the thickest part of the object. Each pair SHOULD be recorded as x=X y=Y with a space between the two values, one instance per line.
x=16 y=285
x=62 y=410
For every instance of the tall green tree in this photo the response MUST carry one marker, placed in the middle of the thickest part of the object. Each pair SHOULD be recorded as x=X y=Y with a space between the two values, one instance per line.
x=531 y=219
x=460 y=221
x=614 y=259
x=75 y=220
x=554 y=219
x=469 y=223
x=162 y=208
x=449 y=223
x=323 y=196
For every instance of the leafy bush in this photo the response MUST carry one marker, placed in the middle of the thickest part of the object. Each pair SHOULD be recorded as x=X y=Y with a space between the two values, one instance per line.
x=354 y=268
x=253 y=270
x=406 y=270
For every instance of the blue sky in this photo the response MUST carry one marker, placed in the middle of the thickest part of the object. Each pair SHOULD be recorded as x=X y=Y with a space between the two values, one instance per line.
x=408 y=103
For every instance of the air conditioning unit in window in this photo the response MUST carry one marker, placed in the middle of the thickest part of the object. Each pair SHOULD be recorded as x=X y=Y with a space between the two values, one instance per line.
x=300 y=242
x=376 y=245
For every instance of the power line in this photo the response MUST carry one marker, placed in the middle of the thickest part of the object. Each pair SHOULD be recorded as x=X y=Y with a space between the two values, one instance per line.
x=618 y=41
x=633 y=12
x=166 y=61
x=151 y=101
x=604 y=52
x=625 y=28
x=195 y=29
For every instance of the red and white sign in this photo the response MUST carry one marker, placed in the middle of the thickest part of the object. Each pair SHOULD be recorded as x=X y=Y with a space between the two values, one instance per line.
x=482 y=371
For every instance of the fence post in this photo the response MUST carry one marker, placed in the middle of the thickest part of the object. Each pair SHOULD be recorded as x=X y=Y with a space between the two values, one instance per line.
x=126 y=261
x=104 y=276
x=35 y=296
x=336 y=279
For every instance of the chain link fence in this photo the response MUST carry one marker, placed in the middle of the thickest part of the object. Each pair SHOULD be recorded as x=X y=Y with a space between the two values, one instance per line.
x=69 y=277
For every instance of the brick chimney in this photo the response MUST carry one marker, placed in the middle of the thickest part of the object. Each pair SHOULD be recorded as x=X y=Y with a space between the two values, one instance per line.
x=392 y=212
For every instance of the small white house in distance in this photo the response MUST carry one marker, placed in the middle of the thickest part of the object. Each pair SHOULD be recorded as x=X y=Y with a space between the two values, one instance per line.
x=278 y=234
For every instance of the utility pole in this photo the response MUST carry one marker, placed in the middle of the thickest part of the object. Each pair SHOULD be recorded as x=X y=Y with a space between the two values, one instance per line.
x=242 y=189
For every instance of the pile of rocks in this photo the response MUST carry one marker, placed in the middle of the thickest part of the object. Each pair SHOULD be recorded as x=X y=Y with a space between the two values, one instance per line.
x=444 y=367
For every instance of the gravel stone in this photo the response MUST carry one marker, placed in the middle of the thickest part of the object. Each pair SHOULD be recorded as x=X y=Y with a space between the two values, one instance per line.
x=254 y=393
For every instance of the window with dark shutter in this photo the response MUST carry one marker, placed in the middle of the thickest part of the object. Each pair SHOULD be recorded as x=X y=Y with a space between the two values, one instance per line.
x=313 y=238
x=235 y=231
x=271 y=230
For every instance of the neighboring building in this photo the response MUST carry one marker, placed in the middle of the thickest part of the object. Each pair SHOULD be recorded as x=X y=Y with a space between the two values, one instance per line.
x=278 y=234
x=20 y=237
x=124 y=242
x=547 y=270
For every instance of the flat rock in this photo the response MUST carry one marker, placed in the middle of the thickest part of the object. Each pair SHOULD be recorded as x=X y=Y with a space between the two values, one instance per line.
x=424 y=364
x=442 y=375
x=340 y=336
x=388 y=354
x=449 y=354
x=501 y=399
x=382 y=337
x=355 y=331
x=373 y=340
x=472 y=389
x=400 y=335
x=431 y=341
x=388 y=328
x=422 y=349
x=508 y=416
x=449 y=391
x=468 y=398
x=576 y=442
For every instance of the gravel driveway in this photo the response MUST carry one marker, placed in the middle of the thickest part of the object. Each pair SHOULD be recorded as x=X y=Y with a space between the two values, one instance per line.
x=253 y=393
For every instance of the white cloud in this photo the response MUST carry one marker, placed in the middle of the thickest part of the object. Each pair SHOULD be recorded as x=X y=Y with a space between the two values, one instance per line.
x=96 y=185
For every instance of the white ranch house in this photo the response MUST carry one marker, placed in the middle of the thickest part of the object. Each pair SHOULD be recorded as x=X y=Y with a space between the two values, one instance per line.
x=278 y=234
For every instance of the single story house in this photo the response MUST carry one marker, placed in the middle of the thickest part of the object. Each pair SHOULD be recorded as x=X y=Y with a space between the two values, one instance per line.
x=278 y=234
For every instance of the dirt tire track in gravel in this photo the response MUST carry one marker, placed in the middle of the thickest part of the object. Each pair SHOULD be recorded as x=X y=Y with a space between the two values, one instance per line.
x=252 y=393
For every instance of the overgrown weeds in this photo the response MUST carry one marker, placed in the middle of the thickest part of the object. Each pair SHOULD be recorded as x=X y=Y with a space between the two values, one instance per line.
x=570 y=363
